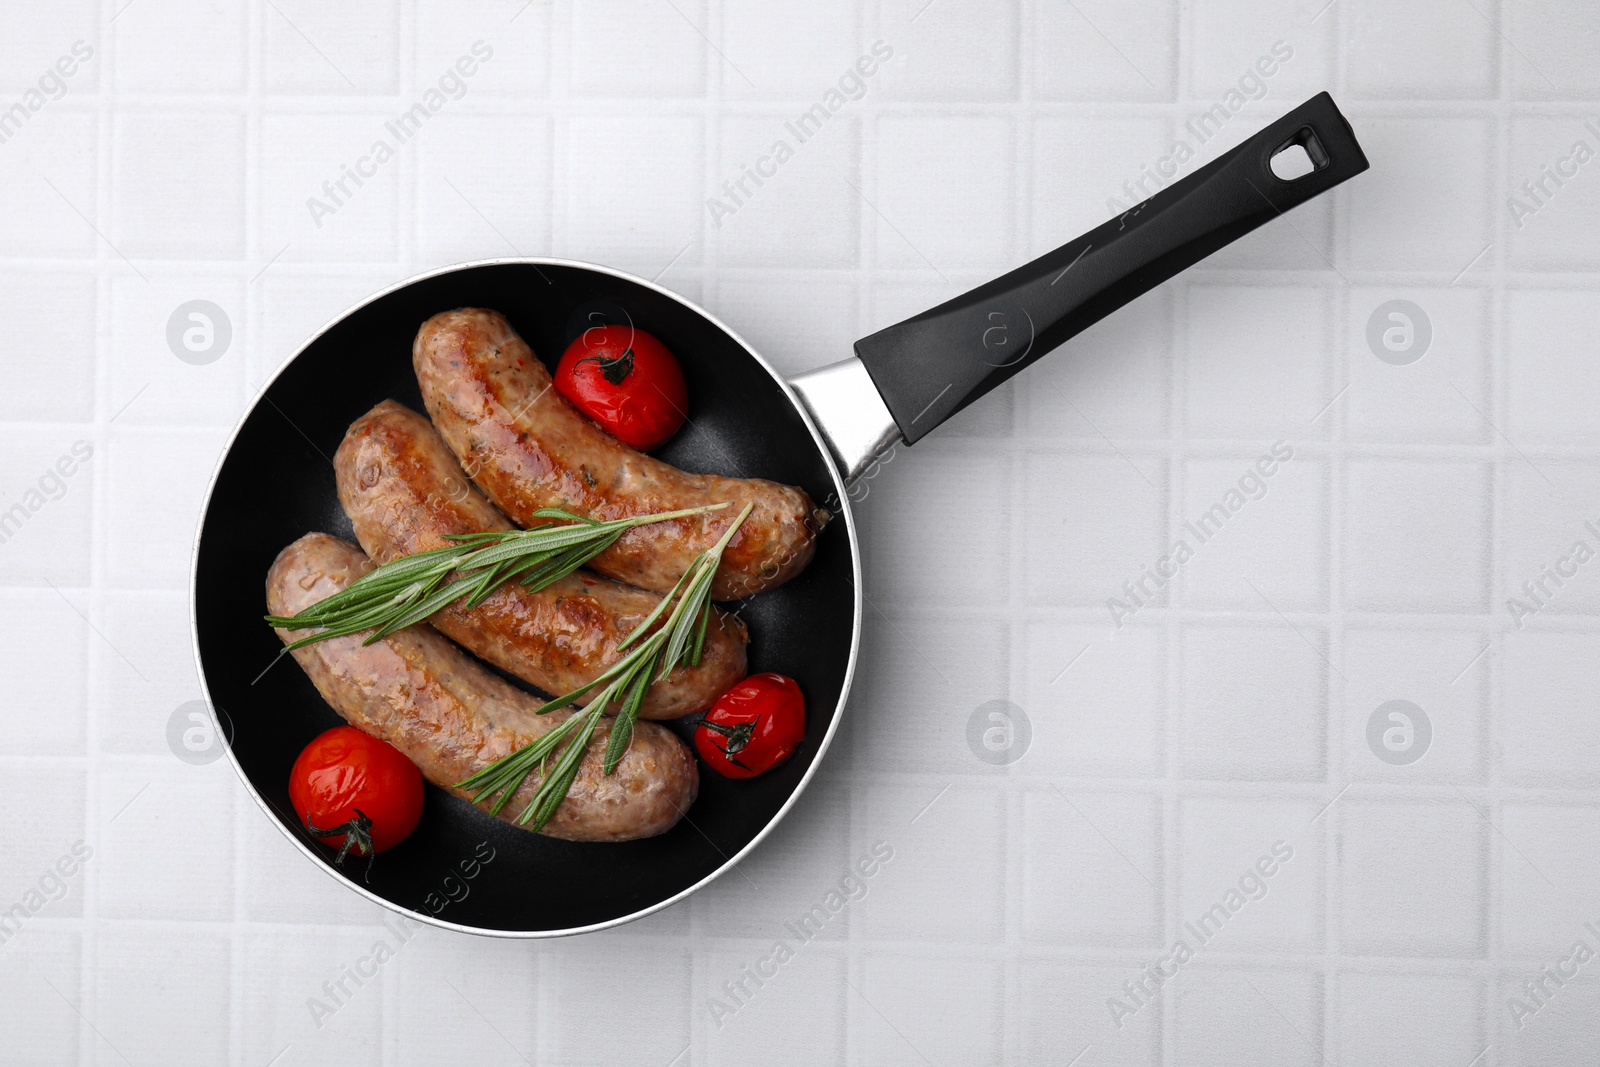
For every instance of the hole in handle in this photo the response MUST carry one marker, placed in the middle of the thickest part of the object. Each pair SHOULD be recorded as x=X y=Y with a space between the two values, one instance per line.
x=1300 y=155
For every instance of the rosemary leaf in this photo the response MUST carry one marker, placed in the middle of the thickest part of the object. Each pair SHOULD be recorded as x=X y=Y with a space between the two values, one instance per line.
x=553 y=790
x=700 y=635
x=407 y=590
x=622 y=728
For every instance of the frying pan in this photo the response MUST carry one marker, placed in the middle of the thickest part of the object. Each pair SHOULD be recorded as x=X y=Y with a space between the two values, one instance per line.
x=821 y=431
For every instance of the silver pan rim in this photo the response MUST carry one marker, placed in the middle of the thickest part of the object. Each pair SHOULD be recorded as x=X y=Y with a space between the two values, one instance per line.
x=844 y=511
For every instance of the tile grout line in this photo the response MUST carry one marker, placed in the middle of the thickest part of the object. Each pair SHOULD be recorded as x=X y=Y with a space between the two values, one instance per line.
x=253 y=354
x=104 y=105
x=1013 y=889
x=1493 y=873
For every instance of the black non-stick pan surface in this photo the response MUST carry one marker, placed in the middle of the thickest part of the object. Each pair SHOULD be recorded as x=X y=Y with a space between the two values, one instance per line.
x=276 y=483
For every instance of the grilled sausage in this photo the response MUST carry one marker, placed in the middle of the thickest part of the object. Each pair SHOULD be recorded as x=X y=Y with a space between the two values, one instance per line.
x=452 y=717
x=527 y=448
x=404 y=492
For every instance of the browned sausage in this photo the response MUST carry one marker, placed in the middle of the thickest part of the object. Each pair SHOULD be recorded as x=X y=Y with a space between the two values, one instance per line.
x=527 y=448
x=452 y=717
x=404 y=492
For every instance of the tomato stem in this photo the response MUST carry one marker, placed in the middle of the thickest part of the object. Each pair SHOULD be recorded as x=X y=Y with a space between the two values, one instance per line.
x=738 y=735
x=357 y=835
x=614 y=370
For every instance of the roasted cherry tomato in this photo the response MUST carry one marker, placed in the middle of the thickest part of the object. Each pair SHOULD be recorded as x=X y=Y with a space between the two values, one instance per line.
x=355 y=793
x=753 y=727
x=627 y=381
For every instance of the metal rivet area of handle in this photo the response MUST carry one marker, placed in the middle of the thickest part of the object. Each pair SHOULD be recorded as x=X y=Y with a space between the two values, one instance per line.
x=851 y=414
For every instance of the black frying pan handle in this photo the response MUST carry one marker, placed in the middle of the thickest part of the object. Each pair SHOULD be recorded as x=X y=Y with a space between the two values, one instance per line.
x=931 y=366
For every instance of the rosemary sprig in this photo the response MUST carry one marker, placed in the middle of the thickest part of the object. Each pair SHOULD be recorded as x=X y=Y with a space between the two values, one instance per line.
x=679 y=641
x=409 y=589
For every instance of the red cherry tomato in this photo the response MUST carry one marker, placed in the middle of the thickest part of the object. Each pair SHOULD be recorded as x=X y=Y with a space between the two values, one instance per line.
x=355 y=793
x=627 y=381
x=753 y=727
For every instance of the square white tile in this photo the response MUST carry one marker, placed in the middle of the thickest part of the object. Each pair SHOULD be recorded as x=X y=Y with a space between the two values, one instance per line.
x=1091 y=868
x=916 y=894
x=457 y=977
x=36 y=39
x=1253 y=49
x=170 y=47
x=576 y=982
x=1547 y=390
x=47 y=846
x=1254 y=703
x=780 y=201
x=905 y=547
x=797 y=51
x=1549 y=199
x=1445 y=674
x=1064 y=1010
x=310 y=48
x=42 y=1023
x=45 y=715
x=1256 y=527
x=1413 y=878
x=1096 y=701
x=797 y=1015
x=181 y=187
x=1555 y=1033
x=163 y=818
x=1091 y=524
x=47 y=479
x=1416 y=535
x=516 y=44
x=1544 y=732
x=330 y=184
x=51 y=185
x=1418 y=52
x=942 y=194
x=901 y=1010
x=475 y=208
x=1425 y=204
x=1103 y=51
x=1547 y=856
x=177 y=352
x=1397 y=1020
x=50 y=362
x=170 y=468
x=1417 y=365
x=1247 y=1018
x=1550 y=57
x=316 y=1013
x=1257 y=363
x=1546 y=543
x=960 y=51
x=640 y=203
x=149 y=985
x=1250 y=875
x=663 y=54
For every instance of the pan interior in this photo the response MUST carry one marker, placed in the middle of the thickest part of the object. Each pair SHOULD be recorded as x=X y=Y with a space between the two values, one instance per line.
x=277 y=483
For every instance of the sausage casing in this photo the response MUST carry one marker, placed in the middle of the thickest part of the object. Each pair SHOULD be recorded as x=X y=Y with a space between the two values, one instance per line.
x=452 y=717
x=527 y=448
x=404 y=493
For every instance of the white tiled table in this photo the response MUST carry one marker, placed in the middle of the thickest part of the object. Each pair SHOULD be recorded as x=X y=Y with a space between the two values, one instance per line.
x=1166 y=757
